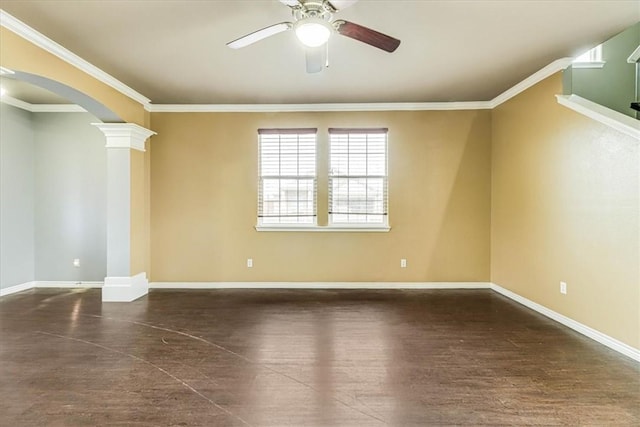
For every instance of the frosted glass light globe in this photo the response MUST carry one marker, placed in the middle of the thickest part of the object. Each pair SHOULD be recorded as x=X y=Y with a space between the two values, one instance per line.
x=312 y=32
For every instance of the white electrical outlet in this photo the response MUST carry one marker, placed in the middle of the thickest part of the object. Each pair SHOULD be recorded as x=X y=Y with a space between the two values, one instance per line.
x=76 y=262
x=563 y=288
x=249 y=262
x=403 y=263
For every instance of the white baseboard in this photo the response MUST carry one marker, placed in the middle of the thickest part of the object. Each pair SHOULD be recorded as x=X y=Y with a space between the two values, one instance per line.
x=585 y=330
x=320 y=285
x=125 y=289
x=17 y=288
x=66 y=284
x=48 y=284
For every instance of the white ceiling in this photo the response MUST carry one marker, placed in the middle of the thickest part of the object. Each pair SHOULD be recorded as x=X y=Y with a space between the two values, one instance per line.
x=174 y=52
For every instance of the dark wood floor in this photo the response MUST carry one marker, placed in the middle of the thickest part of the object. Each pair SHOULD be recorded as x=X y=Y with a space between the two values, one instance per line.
x=302 y=358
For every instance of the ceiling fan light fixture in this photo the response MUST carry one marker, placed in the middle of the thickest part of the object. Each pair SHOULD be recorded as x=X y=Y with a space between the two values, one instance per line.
x=313 y=32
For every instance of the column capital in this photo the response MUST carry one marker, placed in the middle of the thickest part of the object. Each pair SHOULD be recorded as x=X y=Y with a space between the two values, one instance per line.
x=125 y=135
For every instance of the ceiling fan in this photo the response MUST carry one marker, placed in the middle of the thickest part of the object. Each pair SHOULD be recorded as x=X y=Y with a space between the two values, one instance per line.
x=313 y=23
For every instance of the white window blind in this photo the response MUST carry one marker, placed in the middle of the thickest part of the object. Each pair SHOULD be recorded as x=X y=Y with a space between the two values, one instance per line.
x=287 y=187
x=358 y=176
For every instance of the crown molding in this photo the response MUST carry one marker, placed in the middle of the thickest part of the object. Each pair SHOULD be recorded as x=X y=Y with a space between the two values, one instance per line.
x=284 y=108
x=9 y=100
x=623 y=123
x=57 y=108
x=260 y=108
x=42 y=108
x=537 y=77
x=26 y=32
x=4 y=71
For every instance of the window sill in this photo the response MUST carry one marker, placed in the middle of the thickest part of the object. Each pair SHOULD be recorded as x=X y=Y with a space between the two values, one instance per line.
x=595 y=64
x=326 y=228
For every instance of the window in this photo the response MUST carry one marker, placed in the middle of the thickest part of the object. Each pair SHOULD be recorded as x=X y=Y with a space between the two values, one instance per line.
x=287 y=187
x=358 y=176
x=590 y=59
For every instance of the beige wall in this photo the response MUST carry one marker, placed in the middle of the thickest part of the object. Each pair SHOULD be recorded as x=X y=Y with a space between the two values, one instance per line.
x=139 y=220
x=204 y=201
x=565 y=207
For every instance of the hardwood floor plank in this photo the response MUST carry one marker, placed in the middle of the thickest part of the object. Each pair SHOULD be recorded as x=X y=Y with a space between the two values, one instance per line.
x=302 y=358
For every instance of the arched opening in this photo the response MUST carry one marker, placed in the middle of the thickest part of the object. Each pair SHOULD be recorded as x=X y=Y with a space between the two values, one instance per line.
x=74 y=96
x=122 y=179
x=54 y=172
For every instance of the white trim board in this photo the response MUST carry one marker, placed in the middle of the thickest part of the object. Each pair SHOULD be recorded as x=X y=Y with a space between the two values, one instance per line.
x=16 y=288
x=42 y=108
x=535 y=78
x=585 y=330
x=66 y=284
x=125 y=289
x=625 y=124
x=319 y=285
x=37 y=284
x=9 y=100
x=282 y=108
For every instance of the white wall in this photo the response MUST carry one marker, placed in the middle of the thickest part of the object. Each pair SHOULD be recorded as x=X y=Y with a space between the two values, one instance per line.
x=53 y=197
x=16 y=197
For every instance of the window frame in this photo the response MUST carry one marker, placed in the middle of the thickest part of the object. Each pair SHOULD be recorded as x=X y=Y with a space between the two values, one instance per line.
x=593 y=58
x=384 y=224
x=262 y=177
x=321 y=160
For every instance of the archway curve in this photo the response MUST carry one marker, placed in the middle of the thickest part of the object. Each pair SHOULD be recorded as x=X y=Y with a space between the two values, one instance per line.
x=94 y=107
x=127 y=186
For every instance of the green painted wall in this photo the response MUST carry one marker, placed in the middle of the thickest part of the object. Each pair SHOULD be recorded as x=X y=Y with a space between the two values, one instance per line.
x=614 y=85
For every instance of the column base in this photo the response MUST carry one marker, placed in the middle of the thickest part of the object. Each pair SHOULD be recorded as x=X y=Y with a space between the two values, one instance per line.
x=125 y=289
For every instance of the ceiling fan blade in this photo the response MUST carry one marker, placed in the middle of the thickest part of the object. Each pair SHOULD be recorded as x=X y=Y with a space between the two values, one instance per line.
x=259 y=35
x=366 y=35
x=341 y=4
x=291 y=3
x=316 y=58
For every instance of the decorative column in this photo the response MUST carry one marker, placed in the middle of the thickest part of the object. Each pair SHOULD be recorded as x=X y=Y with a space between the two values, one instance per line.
x=120 y=284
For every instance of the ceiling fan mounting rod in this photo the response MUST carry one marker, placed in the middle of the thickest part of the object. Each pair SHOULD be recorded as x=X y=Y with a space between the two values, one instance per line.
x=314 y=9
